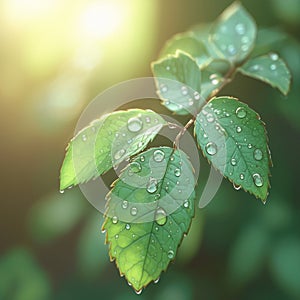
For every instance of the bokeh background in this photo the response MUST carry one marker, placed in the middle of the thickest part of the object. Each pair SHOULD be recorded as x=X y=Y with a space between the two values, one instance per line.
x=55 y=57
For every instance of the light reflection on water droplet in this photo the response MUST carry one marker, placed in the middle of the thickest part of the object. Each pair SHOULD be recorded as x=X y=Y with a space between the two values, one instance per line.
x=241 y=112
x=211 y=148
x=258 y=181
x=160 y=216
x=258 y=155
x=133 y=211
x=170 y=254
x=158 y=155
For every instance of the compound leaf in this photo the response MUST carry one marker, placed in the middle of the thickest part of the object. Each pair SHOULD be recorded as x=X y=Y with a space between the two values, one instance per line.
x=106 y=142
x=270 y=69
x=232 y=137
x=178 y=81
x=234 y=33
x=150 y=208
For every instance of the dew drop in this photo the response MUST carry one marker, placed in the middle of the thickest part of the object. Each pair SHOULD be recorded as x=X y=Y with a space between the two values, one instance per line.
x=240 y=28
x=124 y=204
x=135 y=167
x=258 y=155
x=210 y=118
x=184 y=90
x=274 y=56
x=211 y=148
x=273 y=67
x=236 y=186
x=186 y=204
x=168 y=68
x=158 y=155
x=62 y=191
x=196 y=96
x=119 y=154
x=233 y=162
x=238 y=129
x=163 y=88
x=242 y=176
x=245 y=39
x=231 y=50
x=115 y=219
x=177 y=172
x=142 y=158
x=157 y=280
x=148 y=120
x=258 y=181
x=127 y=226
x=133 y=211
x=138 y=292
x=250 y=146
x=245 y=48
x=116 y=236
x=240 y=112
x=170 y=254
x=255 y=68
x=84 y=138
x=151 y=185
x=160 y=216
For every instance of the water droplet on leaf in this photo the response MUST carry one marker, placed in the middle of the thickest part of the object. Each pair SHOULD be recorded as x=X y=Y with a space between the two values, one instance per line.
x=258 y=155
x=258 y=181
x=161 y=216
x=211 y=148
x=152 y=186
x=241 y=112
x=158 y=155
x=133 y=211
x=177 y=172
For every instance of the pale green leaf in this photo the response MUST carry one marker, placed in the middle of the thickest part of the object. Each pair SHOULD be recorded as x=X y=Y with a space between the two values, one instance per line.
x=149 y=210
x=178 y=81
x=234 y=33
x=270 y=69
x=187 y=43
x=55 y=215
x=106 y=142
x=234 y=140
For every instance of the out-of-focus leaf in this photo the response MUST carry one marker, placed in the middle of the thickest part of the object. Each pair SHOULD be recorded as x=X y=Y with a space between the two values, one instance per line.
x=288 y=10
x=55 y=215
x=247 y=254
x=186 y=42
x=21 y=278
x=91 y=252
x=178 y=81
x=234 y=33
x=270 y=69
x=232 y=137
x=285 y=265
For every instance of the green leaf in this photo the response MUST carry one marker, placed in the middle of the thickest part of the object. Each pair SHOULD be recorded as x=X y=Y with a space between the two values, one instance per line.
x=232 y=137
x=21 y=278
x=150 y=209
x=55 y=215
x=270 y=69
x=234 y=33
x=106 y=142
x=187 y=43
x=178 y=80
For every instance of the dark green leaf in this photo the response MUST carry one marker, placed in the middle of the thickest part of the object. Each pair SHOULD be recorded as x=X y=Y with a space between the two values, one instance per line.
x=270 y=69
x=150 y=210
x=106 y=142
x=234 y=34
x=234 y=140
x=178 y=80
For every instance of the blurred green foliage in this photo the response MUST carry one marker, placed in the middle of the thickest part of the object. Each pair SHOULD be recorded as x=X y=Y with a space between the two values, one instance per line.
x=246 y=250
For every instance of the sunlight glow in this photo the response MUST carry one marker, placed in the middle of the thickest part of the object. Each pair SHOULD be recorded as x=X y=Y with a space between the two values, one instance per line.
x=101 y=19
